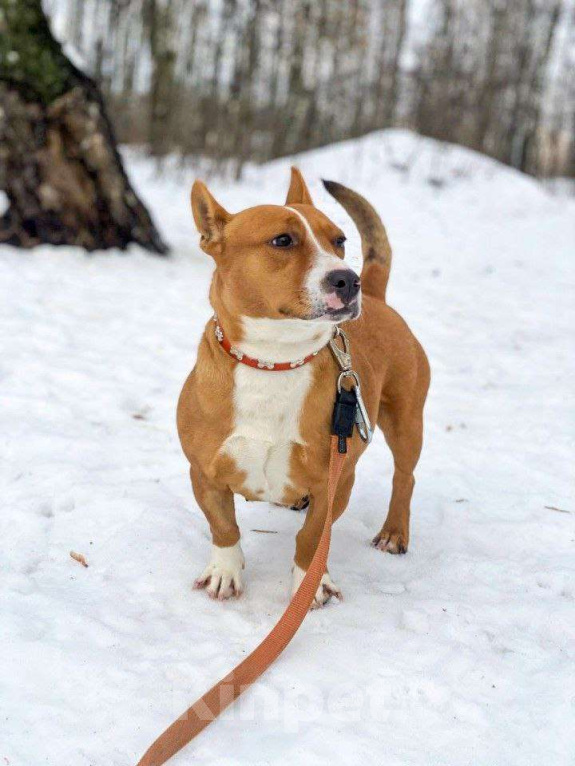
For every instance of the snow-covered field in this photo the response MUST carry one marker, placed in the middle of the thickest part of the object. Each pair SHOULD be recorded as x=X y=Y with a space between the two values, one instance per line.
x=461 y=652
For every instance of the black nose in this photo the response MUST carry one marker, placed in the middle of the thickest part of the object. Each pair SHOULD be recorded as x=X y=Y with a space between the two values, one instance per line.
x=345 y=282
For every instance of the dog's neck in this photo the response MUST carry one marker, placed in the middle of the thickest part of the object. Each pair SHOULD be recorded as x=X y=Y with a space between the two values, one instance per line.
x=283 y=339
x=275 y=340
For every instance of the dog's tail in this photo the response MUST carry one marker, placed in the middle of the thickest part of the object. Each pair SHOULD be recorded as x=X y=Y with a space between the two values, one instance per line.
x=374 y=243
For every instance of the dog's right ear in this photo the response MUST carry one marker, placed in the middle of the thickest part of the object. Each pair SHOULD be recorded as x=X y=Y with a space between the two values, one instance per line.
x=210 y=218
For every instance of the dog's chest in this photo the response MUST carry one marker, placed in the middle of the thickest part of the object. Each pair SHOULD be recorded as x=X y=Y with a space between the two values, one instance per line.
x=268 y=407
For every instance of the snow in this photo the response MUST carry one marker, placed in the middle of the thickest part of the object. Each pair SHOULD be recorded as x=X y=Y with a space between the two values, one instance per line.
x=460 y=652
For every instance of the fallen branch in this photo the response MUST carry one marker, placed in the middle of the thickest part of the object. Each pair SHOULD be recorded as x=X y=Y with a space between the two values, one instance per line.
x=553 y=508
x=80 y=558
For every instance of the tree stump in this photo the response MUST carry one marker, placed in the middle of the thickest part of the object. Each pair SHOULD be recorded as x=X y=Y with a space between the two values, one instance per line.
x=59 y=163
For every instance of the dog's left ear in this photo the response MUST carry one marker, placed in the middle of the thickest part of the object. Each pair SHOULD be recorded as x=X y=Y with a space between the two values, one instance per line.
x=298 y=193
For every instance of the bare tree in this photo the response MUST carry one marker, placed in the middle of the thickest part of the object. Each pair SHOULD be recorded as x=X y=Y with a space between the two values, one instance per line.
x=247 y=80
x=159 y=24
x=548 y=26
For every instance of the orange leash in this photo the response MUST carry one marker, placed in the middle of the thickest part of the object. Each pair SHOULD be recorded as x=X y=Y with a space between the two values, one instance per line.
x=217 y=699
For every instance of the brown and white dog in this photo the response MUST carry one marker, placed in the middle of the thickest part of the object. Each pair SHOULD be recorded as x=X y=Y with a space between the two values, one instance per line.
x=279 y=288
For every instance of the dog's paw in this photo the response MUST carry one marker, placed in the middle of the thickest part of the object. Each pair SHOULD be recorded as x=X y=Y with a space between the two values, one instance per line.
x=327 y=588
x=392 y=542
x=301 y=505
x=222 y=577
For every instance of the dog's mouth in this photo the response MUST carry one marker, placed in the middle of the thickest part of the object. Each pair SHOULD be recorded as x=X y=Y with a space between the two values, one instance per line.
x=327 y=314
x=324 y=312
x=351 y=311
x=345 y=313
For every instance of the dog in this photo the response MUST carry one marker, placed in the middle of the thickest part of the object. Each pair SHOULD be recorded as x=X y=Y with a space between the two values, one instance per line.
x=279 y=290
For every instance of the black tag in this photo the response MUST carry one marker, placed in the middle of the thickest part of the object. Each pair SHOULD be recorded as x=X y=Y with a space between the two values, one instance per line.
x=344 y=417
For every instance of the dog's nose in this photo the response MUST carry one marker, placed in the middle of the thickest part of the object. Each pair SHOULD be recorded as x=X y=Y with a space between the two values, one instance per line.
x=345 y=283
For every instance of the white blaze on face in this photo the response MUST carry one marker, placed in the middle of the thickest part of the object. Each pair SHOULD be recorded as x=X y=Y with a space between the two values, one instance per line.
x=323 y=263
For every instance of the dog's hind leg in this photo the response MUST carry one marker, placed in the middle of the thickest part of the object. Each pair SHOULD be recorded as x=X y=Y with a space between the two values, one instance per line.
x=401 y=420
x=404 y=437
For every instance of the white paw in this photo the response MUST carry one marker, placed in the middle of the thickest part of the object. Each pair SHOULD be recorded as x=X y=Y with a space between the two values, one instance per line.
x=327 y=587
x=222 y=577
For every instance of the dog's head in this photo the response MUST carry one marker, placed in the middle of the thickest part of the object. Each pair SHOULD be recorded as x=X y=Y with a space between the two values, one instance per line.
x=278 y=261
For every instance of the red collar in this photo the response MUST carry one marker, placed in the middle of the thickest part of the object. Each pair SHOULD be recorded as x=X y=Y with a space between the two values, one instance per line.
x=259 y=364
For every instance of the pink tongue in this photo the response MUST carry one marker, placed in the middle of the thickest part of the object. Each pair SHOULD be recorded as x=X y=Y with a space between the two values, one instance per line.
x=333 y=301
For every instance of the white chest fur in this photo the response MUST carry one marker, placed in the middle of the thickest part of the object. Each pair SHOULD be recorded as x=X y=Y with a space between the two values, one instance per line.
x=268 y=405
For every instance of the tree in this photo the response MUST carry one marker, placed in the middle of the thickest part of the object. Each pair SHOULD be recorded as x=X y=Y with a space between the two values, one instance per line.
x=59 y=164
x=158 y=19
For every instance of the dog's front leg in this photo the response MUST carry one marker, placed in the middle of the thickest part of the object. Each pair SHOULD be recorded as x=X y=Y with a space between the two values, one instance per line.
x=222 y=577
x=308 y=537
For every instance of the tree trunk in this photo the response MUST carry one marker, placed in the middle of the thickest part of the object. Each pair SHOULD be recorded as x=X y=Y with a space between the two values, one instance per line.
x=529 y=154
x=400 y=34
x=158 y=17
x=59 y=164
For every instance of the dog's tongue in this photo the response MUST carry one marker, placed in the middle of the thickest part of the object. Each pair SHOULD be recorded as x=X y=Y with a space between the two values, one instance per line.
x=333 y=301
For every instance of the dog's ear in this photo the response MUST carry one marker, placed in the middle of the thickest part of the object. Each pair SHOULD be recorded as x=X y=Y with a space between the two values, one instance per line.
x=210 y=218
x=298 y=193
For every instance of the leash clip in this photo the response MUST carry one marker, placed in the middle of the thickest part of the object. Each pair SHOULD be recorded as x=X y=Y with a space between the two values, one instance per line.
x=342 y=356
x=343 y=359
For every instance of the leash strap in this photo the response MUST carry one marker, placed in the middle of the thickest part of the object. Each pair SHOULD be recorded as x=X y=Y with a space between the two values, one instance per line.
x=217 y=699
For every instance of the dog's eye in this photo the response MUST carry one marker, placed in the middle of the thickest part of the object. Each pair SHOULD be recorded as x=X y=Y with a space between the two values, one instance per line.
x=340 y=241
x=282 y=240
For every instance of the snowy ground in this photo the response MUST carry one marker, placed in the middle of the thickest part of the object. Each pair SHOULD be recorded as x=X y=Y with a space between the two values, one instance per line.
x=459 y=653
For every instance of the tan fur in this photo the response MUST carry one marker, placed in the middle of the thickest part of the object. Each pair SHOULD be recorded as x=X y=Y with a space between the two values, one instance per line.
x=253 y=280
x=374 y=242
